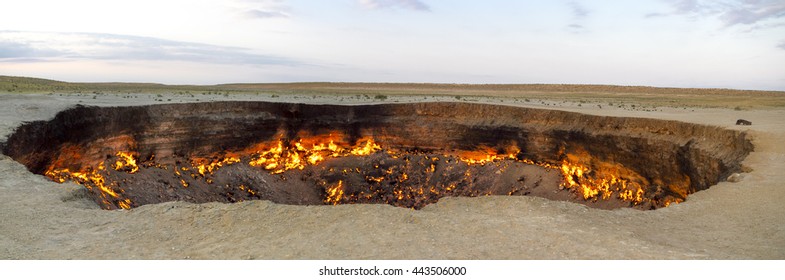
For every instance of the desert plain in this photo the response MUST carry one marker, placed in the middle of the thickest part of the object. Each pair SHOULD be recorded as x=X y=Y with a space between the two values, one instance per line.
x=42 y=219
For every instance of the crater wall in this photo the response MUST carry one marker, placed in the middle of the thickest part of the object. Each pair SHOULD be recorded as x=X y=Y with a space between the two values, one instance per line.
x=667 y=160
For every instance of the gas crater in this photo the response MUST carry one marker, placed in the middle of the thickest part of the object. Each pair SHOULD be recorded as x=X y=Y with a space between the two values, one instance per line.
x=406 y=155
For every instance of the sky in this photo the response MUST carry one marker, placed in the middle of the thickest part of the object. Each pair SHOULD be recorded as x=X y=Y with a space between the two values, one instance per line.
x=665 y=43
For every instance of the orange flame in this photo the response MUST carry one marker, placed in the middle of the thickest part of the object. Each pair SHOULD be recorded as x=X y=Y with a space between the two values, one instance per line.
x=334 y=194
x=126 y=160
x=278 y=158
x=485 y=155
x=590 y=181
x=90 y=178
x=599 y=184
x=205 y=166
x=367 y=149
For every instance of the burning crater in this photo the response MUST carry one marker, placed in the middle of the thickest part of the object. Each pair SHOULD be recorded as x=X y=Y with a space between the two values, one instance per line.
x=407 y=155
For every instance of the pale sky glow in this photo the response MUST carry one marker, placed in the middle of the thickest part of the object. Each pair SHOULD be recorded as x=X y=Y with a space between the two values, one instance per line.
x=671 y=43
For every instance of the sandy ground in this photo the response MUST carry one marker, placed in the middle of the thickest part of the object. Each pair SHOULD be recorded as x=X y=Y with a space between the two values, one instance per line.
x=40 y=219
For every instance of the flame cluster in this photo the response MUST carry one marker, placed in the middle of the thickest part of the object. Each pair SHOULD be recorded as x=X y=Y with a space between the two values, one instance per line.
x=126 y=162
x=276 y=159
x=92 y=178
x=594 y=185
x=297 y=155
x=484 y=155
x=205 y=166
x=590 y=183
x=334 y=194
x=587 y=181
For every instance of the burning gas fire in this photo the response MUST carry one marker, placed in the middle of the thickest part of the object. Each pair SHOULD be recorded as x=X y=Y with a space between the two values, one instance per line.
x=92 y=179
x=603 y=186
x=126 y=162
x=279 y=156
x=334 y=194
x=277 y=159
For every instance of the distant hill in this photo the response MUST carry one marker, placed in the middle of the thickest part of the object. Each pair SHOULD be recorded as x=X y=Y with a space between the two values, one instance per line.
x=27 y=84
x=658 y=96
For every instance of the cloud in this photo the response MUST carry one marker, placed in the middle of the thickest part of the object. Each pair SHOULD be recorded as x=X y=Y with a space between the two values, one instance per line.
x=11 y=50
x=405 y=4
x=751 y=13
x=579 y=13
x=655 y=15
x=687 y=6
x=730 y=12
x=781 y=45
x=32 y=46
x=261 y=9
x=578 y=10
x=254 y=13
